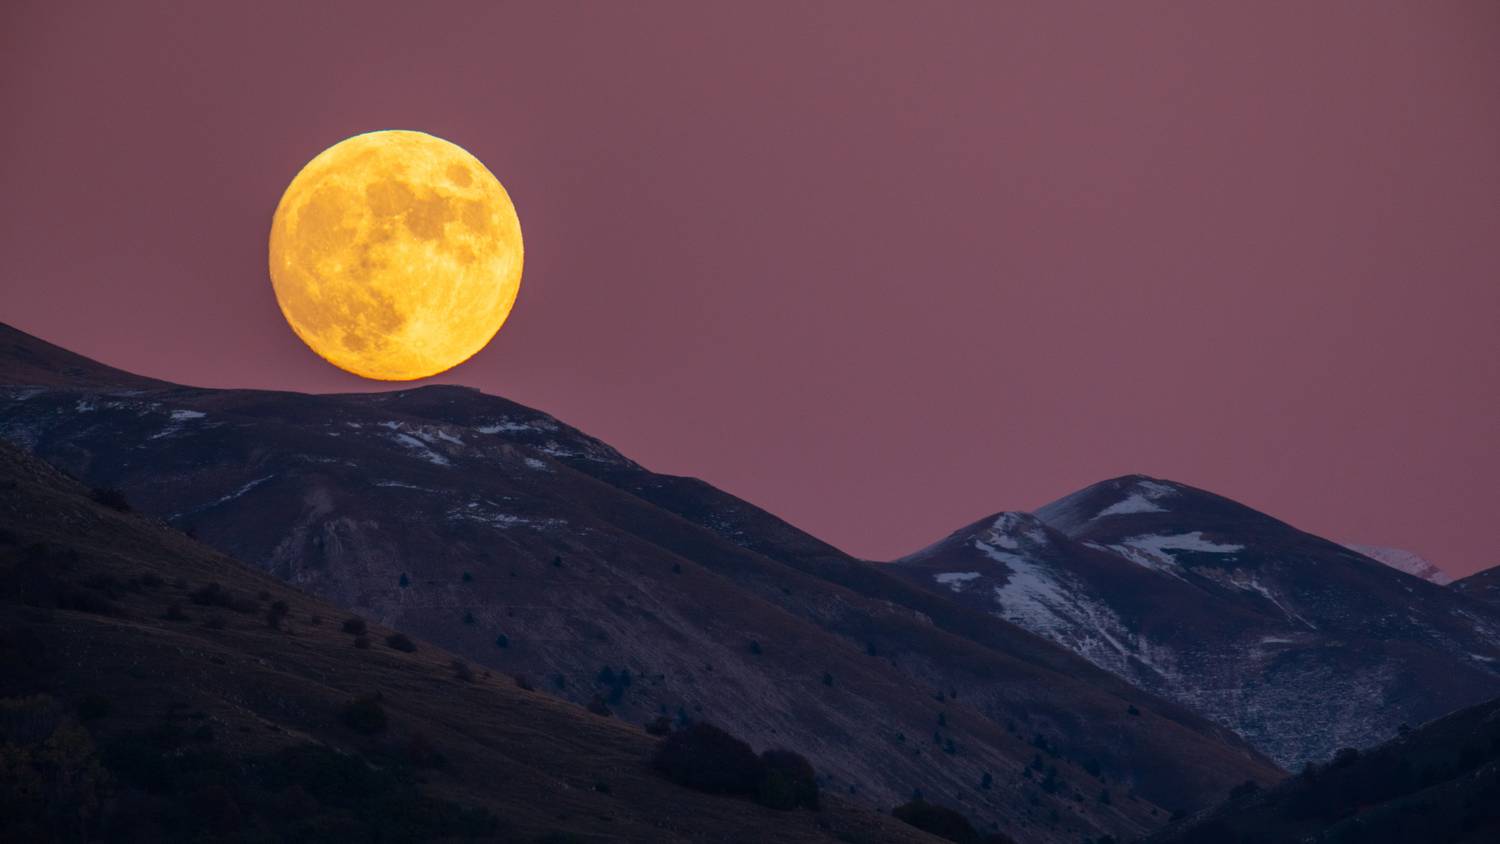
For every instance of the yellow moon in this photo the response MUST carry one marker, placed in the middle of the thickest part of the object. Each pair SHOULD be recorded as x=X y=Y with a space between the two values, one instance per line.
x=395 y=255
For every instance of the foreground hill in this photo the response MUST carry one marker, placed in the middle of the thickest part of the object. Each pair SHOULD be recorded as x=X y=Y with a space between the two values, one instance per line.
x=154 y=689
x=1301 y=645
x=1438 y=784
x=503 y=535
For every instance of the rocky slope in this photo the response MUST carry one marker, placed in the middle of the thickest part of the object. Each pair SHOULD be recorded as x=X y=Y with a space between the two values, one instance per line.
x=1299 y=644
x=499 y=533
x=158 y=690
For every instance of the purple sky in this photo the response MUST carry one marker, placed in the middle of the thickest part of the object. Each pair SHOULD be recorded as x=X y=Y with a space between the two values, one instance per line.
x=879 y=268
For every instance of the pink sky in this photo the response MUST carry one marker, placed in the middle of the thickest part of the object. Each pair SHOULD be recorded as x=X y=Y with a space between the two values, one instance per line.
x=879 y=268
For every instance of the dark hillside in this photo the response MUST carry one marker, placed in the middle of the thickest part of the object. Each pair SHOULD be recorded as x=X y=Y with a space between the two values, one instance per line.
x=154 y=689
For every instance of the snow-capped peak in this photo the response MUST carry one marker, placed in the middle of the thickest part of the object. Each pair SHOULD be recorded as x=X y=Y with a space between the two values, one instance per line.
x=1144 y=497
x=1117 y=497
x=1402 y=560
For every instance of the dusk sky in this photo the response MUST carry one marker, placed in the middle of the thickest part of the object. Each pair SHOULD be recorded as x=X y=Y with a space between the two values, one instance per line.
x=879 y=268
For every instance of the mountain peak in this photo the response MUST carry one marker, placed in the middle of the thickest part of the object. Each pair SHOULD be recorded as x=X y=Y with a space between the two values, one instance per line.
x=1120 y=496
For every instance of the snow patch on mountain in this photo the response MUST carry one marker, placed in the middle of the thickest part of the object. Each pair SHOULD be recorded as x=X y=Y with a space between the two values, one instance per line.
x=1253 y=584
x=400 y=485
x=1129 y=495
x=1153 y=550
x=486 y=513
x=1145 y=497
x=226 y=498
x=177 y=417
x=1050 y=603
x=1136 y=503
x=1015 y=531
x=1403 y=560
x=506 y=425
x=1032 y=595
x=955 y=580
x=1156 y=562
x=421 y=449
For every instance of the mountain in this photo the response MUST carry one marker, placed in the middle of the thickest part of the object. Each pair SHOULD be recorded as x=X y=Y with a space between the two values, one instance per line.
x=1299 y=644
x=1437 y=783
x=1483 y=586
x=501 y=534
x=1413 y=564
x=154 y=689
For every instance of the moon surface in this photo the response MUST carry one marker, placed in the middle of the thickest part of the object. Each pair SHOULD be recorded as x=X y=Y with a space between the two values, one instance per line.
x=395 y=255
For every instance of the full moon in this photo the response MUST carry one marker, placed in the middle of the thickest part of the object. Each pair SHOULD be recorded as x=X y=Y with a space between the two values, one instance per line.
x=395 y=255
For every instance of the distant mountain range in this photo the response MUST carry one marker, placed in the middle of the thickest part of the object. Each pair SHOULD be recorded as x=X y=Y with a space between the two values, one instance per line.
x=1301 y=645
x=503 y=535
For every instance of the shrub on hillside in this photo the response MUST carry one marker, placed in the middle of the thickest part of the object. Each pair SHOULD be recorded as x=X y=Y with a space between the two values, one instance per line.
x=300 y=793
x=421 y=752
x=1244 y=789
x=787 y=781
x=51 y=779
x=364 y=714
x=938 y=820
x=93 y=707
x=400 y=642
x=706 y=758
x=37 y=581
x=213 y=594
x=110 y=497
x=355 y=625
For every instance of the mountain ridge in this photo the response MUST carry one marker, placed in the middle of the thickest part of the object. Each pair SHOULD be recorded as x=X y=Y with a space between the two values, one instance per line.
x=504 y=535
